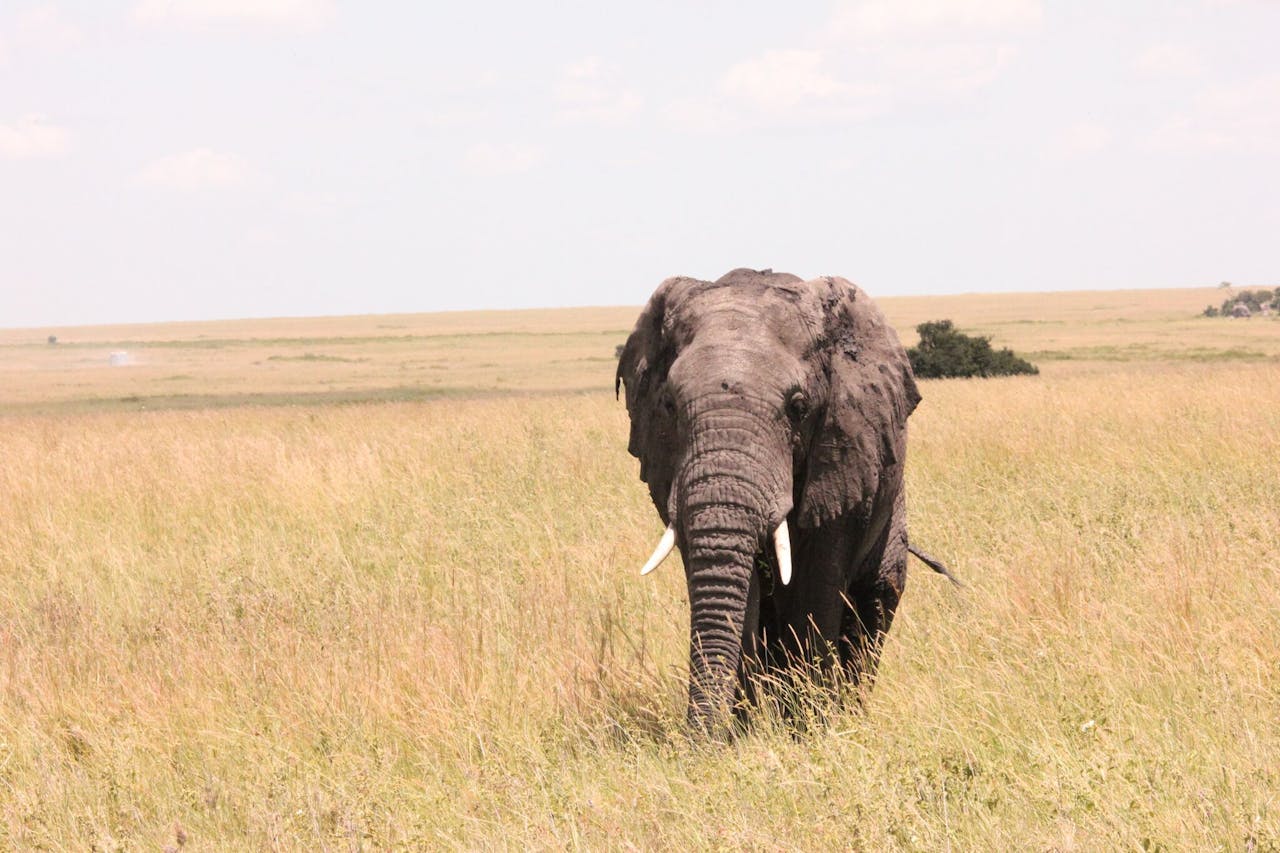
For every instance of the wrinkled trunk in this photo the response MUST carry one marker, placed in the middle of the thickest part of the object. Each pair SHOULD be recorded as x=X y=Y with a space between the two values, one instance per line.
x=721 y=559
x=726 y=499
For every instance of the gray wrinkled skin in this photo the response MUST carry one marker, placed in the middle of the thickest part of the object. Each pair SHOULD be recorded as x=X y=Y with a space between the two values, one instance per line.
x=760 y=397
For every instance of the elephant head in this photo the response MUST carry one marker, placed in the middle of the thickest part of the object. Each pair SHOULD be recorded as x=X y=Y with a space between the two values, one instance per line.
x=764 y=410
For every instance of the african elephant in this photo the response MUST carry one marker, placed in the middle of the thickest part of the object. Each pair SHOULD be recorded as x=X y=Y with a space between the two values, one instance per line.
x=769 y=415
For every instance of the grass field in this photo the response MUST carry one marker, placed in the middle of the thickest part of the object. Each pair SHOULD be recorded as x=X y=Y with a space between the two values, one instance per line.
x=417 y=357
x=371 y=583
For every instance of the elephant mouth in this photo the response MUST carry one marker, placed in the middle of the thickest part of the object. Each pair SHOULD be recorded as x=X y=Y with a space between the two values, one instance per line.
x=780 y=541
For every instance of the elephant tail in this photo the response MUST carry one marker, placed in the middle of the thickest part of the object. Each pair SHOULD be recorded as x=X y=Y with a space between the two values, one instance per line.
x=934 y=563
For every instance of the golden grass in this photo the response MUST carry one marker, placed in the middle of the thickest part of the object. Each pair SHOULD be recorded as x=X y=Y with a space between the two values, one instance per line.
x=308 y=361
x=413 y=357
x=420 y=625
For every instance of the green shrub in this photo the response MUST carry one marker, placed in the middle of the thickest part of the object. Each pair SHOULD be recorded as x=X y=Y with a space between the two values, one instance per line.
x=944 y=352
x=1251 y=299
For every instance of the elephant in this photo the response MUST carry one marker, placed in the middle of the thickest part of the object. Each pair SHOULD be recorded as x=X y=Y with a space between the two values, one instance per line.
x=769 y=415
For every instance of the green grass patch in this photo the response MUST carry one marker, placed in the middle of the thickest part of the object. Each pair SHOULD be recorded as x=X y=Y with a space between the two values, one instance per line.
x=312 y=356
x=1149 y=352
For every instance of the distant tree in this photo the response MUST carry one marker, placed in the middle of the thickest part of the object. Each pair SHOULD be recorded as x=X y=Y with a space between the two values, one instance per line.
x=945 y=352
x=1224 y=284
x=53 y=339
x=1253 y=300
x=1211 y=311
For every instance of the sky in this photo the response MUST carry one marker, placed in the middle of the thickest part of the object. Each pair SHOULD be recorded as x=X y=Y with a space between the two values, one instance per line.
x=201 y=159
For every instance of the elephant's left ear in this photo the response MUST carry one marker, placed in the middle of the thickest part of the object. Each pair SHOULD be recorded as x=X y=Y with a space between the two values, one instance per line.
x=860 y=446
x=642 y=374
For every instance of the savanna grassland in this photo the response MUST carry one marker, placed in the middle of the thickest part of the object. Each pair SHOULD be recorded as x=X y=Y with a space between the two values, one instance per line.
x=371 y=583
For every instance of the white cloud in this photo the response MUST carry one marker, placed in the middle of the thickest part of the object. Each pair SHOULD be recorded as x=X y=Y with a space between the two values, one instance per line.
x=589 y=92
x=786 y=88
x=43 y=28
x=946 y=69
x=1080 y=140
x=701 y=115
x=285 y=13
x=931 y=48
x=31 y=136
x=196 y=170
x=1168 y=60
x=782 y=79
x=493 y=159
x=454 y=118
x=871 y=56
x=261 y=235
x=796 y=86
x=948 y=19
x=313 y=203
x=39 y=29
x=1244 y=118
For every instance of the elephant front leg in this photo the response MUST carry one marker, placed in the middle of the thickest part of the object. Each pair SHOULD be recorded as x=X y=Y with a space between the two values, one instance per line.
x=872 y=599
x=866 y=622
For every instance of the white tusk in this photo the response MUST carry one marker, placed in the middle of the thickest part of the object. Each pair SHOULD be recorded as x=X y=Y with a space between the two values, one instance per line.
x=660 y=553
x=782 y=545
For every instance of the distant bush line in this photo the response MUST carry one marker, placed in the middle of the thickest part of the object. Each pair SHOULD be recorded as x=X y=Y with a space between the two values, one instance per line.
x=944 y=352
x=1251 y=301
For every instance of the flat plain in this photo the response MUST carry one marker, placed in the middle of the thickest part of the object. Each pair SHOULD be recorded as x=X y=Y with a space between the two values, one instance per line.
x=372 y=583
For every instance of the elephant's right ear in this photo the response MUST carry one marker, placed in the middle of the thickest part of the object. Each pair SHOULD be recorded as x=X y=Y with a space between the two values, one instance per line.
x=860 y=446
x=642 y=369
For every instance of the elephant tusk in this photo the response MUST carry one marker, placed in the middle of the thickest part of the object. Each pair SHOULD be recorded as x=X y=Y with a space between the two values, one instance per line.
x=782 y=545
x=660 y=553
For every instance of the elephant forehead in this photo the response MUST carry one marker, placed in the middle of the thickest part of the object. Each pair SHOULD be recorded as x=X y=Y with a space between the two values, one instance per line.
x=744 y=366
x=757 y=315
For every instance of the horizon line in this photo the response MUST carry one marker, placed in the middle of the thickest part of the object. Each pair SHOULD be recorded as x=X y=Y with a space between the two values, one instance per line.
x=637 y=306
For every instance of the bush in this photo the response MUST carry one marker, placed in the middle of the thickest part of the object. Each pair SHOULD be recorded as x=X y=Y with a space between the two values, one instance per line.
x=1251 y=299
x=944 y=352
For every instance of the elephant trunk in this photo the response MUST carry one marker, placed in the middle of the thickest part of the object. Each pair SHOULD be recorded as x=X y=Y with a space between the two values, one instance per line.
x=721 y=560
x=728 y=510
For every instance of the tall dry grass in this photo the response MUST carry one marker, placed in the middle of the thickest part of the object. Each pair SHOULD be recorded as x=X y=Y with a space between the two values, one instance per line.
x=421 y=625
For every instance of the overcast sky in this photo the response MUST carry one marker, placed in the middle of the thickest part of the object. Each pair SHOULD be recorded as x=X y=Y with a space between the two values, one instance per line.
x=183 y=159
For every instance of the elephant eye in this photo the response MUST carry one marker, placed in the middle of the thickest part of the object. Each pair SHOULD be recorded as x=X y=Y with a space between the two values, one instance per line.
x=797 y=406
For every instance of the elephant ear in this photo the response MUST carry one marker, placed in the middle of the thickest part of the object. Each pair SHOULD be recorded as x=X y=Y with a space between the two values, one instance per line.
x=860 y=444
x=642 y=369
